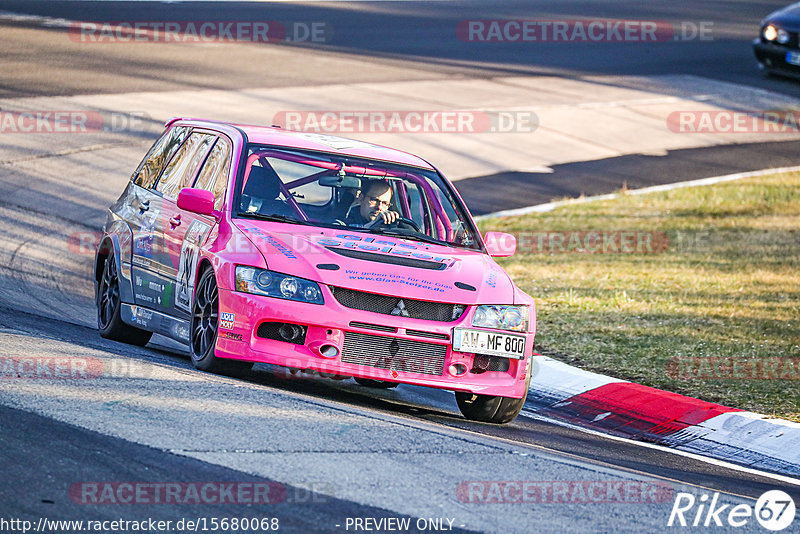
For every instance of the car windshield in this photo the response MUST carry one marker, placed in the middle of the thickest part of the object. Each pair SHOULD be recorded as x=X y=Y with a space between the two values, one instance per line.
x=340 y=191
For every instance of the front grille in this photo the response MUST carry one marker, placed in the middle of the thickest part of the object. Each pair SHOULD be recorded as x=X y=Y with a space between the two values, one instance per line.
x=386 y=305
x=385 y=352
x=370 y=326
x=432 y=335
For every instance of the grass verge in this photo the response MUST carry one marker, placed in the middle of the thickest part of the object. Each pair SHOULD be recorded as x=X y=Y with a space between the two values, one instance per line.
x=707 y=303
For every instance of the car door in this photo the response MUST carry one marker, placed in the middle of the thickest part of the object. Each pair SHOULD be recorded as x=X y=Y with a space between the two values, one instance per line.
x=143 y=207
x=213 y=176
x=182 y=232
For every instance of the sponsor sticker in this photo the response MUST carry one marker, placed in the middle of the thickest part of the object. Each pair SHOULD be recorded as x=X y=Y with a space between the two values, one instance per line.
x=187 y=265
x=232 y=336
x=227 y=321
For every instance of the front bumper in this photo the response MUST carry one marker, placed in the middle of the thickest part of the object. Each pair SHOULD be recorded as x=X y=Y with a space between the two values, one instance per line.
x=369 y=345
x=773 y=58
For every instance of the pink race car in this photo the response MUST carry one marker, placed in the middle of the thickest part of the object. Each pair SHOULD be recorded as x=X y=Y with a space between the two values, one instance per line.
x=254 y=244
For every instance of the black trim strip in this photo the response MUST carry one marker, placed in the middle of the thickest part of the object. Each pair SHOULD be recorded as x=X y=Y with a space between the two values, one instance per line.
x=386 y=258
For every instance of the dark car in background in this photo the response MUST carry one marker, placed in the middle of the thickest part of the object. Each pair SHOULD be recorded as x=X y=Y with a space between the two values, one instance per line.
x=777 y=47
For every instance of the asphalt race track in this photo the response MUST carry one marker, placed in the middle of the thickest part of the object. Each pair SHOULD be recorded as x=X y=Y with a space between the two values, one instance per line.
x=329 y=451
x=414 y=35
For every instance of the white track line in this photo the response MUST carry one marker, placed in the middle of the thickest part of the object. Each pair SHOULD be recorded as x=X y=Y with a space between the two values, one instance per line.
x=704 y=459
x=550 y=206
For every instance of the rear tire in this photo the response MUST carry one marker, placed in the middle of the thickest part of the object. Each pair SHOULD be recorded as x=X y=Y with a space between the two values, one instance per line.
x=203 y=330
x=491 y=408
x=109 y=304
x=378 y=384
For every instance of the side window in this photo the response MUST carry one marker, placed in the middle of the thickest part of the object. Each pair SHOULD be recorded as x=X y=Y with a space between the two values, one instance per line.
x=446 y=203
x=214 y=174
x=461 y=233
x=159 y=154
x=181 y=169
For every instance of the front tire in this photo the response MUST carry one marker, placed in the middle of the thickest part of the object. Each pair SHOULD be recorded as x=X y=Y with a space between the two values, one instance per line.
x=204 y=327
x=491 y=408
x=109 y=304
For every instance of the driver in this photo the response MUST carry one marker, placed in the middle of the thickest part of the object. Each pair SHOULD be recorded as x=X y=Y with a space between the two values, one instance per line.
x=373 y=206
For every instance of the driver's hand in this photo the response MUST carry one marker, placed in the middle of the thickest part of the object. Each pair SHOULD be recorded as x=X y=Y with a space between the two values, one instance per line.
x=389 y=217
x=383 y=217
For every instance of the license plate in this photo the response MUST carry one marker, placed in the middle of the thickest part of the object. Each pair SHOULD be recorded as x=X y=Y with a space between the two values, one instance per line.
x=793 y=58
x=483 y=342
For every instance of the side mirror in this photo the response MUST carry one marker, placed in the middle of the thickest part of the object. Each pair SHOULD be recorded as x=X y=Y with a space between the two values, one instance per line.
x=500 y=244
x=197 y=201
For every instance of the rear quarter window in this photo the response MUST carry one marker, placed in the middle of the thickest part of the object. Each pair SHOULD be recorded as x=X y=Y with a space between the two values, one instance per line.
x=158 y=155
x=214 y=174
x=181 y=169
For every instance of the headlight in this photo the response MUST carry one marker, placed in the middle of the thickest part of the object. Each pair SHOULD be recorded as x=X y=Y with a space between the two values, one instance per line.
x=783 y=36
x=272 y=284
x=514 y=318
x=770 y=32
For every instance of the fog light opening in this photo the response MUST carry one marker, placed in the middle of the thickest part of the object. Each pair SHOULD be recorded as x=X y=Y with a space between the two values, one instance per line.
x=481 y=362
x=329 y=351
x=457 y=369
x=289 y=332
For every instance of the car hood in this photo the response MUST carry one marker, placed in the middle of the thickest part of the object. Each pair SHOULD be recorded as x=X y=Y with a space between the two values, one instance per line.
x=387 y=265
x=787 y=18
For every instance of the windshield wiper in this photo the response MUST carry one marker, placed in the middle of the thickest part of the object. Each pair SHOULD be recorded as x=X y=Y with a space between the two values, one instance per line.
x=278 y=218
